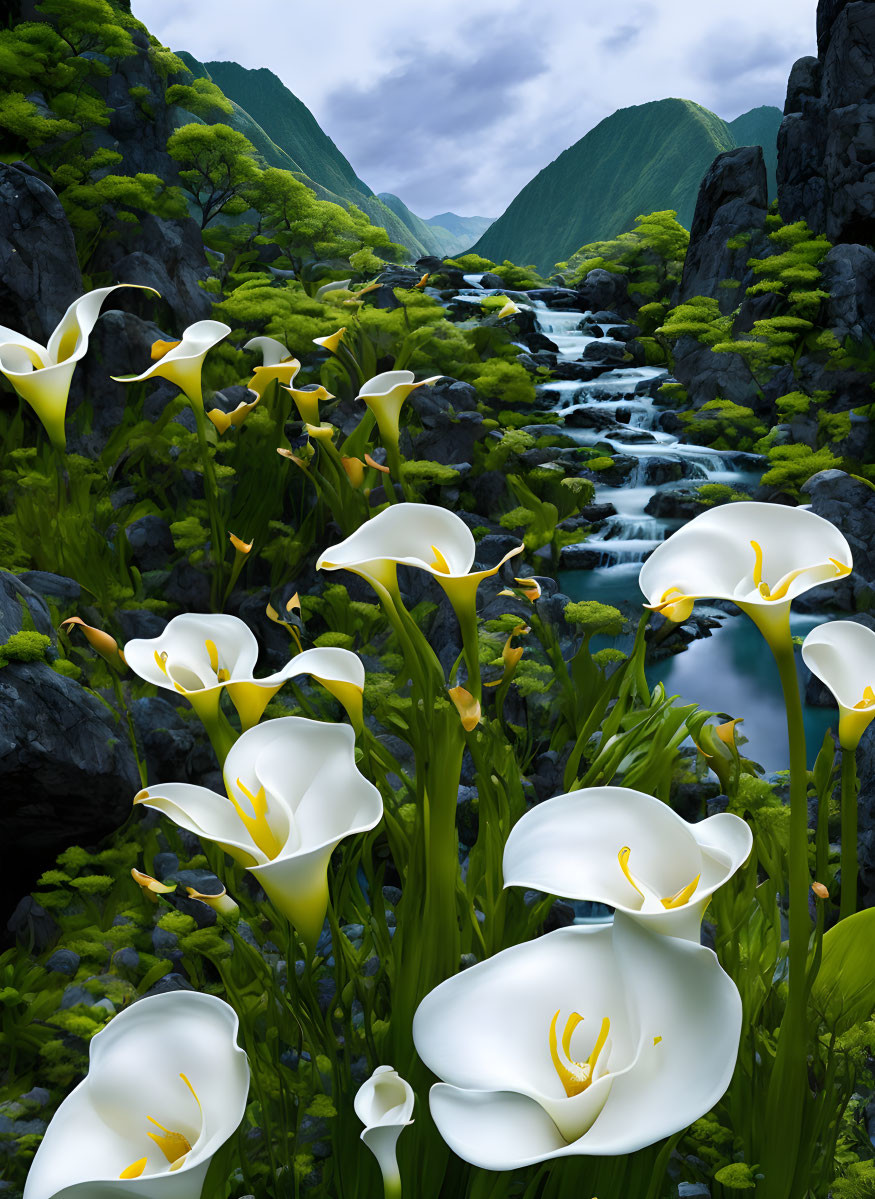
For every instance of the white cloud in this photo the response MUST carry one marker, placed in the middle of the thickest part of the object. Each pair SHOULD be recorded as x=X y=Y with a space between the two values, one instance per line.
x=455 y=106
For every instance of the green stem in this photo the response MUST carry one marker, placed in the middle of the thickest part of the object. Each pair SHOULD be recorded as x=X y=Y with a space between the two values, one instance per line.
x=132 y=736
x=393 y=459
x=211 y=493
x=392 y=1184
x=466 y=614
x=789 y=1082
x=848 y=904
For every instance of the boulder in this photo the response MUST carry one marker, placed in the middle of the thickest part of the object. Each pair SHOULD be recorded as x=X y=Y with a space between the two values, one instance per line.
x=849 y=504
x=39 y=269
x=151 y=542
x=16 y=598
x=733 y=199
x=67 y=772
x=707 y=375
x=848 y=273
x=603 y=290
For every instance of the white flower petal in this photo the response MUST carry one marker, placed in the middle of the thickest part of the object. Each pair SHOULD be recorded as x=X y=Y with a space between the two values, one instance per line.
x=134 y=1073
x=842 y=655
x=69 y=341
x=184 y=640
x=405 y=534
x=273 y=352
x=324 y=662
x=204 y=813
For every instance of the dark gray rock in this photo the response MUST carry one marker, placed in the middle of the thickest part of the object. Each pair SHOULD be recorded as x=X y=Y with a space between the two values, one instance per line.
x=826 y=143
x=165 y=739
x=56 y=587
x=38 y=264
x=170 y=982
x=848 y=273
x=63 y=961
x=452 y=440
x=151 y=542
x=849 y=504
x=733 y=200
x=140 y=622
x=604 y=290
x=67 y=773
x=16 y=598
x=31 y=924
x=179 y=292
x=707 y=375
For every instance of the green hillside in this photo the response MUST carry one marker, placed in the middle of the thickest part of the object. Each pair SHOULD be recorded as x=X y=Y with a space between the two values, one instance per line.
x=287 y=135
x=465 y=229
x=759 y=127
x=430 y=238
x=644 y=158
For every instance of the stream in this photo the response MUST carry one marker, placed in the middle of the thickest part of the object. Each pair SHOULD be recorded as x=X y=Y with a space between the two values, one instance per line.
x=729 y=671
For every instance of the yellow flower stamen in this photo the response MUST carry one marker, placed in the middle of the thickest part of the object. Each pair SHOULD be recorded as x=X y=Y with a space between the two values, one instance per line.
x=868 y=698
x=160 y=348
x=623 y=859
x=575 y=1076
x=780 y=589
x=674 y=605
x=135 y=1169
x=672 y=901
x=681 y=897
x=256 y=824
x=161 y=661
x=222 y=675
x=172 y=1144
x=440 y=561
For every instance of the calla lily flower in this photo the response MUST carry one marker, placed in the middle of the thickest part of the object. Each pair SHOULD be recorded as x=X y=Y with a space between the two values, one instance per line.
x=277 y=363
x=842 y=655
x=621 y=847
x=307 y=401
x=420 y=535
x=760 y=556
x=509 y=309
x=593 y=1040
x=151 y=887
x=337 y=285
x=182 y=362
x=197 y=656
x=42 y=374
x=166 y=1087
x=224 y=420
x=103 y=643
x=331 y=342
x=384 y=1104
x=385 y=395
x=293 y=793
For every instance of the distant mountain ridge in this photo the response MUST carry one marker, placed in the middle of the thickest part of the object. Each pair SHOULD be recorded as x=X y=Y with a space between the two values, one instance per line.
x=640 y=159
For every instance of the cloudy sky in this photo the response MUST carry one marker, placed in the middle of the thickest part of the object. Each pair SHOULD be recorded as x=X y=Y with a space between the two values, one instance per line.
x=456 y=104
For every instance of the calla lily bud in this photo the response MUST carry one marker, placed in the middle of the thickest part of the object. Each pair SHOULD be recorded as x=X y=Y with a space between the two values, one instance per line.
x=242 y=547
x=42 y=375
x=760 y=556
x=332 y=342
x=531 y=589
x=152 y=888
x=615 y=1038
x=100 y=641
x=182 y=361
x=355 y=471
x=467 y=707
x=336 y=285
x=509 y=309
x=369 y=461
x=166 y=1087
x=282 y=824
x=820 y=890
x=384 y=1104
x=842 y=655
x=220 y=902
x=629 y=850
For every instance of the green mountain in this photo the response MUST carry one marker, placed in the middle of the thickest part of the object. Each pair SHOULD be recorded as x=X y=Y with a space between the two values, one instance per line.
x=465 y=229
x=640 y=159
x=430 y=238
x=287 y=135
x=759 y=127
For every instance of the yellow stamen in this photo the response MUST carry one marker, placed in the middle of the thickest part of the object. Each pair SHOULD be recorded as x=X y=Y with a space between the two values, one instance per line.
x=135 y=1169
x=257 y=825
x=623 y=859
x=440 y=561
x=758 y=564
x=575 y=1076
x=681 y=897
x=161 y=661
x=214 y=656
x=160 y=348
x=172 y=1144
x=868 y=698
x=780 y=589
x=673 y=605
x=656 y=1040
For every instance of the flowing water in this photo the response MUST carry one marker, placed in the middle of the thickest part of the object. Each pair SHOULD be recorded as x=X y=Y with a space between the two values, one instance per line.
x=731 y=671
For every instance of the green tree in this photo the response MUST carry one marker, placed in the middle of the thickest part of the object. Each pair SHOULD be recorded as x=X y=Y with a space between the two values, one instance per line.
x=217 y=168
x=201 y=97
x=651 y=256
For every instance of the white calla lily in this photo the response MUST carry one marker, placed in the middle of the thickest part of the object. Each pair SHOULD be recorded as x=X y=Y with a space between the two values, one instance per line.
x=421 y=535
x=384 y=1104
x=199 y=655
x=42 y=374
x=592 y=1040
x=182 y=361
x=293 y=793
x=278 y=363
x=760 y=556
x=385 y=395
x=842 y=655
x=627 y=849
x=166 y=1087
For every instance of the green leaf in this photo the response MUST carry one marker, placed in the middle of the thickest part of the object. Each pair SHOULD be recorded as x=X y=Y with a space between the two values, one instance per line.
x=844 y=990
